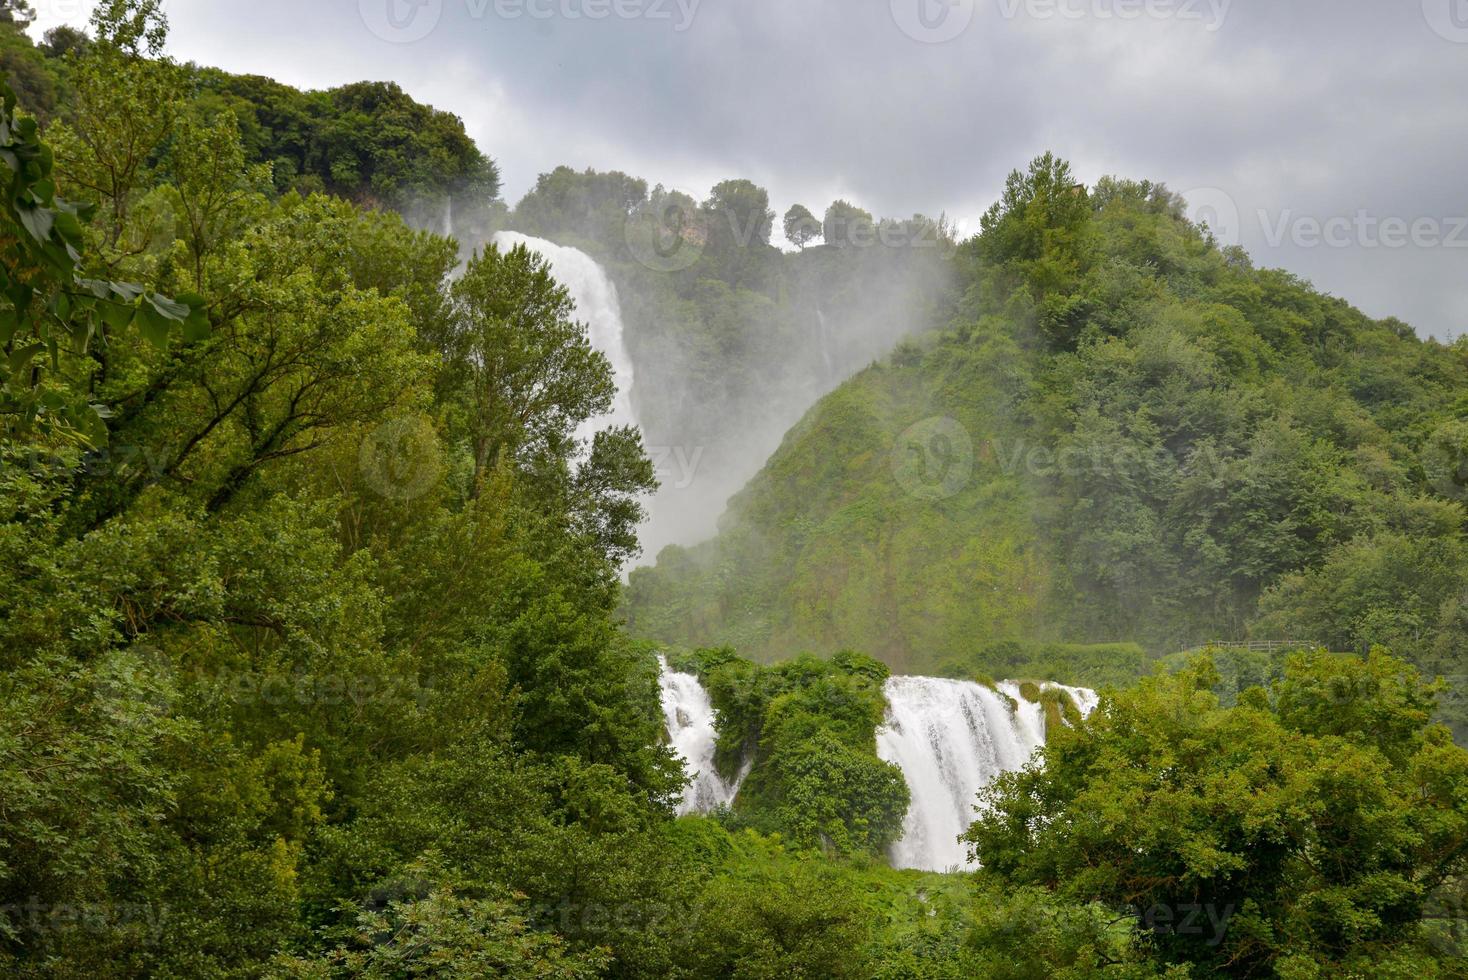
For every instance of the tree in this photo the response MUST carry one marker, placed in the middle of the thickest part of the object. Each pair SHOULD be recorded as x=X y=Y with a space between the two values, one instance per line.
x=1301 y=833
x=528 y=372
x=801 y=227
x=846 y=225
x=49 y=305
x=737 y=216
x=17 y=12
x=128 y=97
x=63 y=40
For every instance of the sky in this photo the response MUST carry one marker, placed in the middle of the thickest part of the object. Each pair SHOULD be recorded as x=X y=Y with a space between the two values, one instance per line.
x=1328 y=137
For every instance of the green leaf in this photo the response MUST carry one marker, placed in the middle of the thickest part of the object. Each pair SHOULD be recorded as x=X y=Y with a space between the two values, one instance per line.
x=172 y=309
x=21 y=359
x=37 y=221
x=196 y=325
x=154 y=326
x=117 y=315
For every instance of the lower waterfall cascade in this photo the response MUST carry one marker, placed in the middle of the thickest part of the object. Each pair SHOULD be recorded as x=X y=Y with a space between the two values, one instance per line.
x=688 y=718
x=950 y=738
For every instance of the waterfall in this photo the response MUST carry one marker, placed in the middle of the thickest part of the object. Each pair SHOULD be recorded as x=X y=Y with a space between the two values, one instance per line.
x=824 y=331
x=950 y=739
x=689 y=718
x=597 y=306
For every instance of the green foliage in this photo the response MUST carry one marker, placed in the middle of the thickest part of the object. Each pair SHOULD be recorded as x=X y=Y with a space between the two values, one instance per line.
x=1301 y=832
x=800 y=226
x=806 y=729
x=1127 y=436
x=443 y=935
x=368 y=141
x=281 y=676
x=49 y=303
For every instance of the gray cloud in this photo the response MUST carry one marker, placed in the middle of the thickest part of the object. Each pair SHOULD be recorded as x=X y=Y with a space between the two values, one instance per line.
x=1311 y=111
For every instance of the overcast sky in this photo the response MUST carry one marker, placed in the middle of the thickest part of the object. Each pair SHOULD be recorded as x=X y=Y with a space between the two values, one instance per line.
x=1330 y=137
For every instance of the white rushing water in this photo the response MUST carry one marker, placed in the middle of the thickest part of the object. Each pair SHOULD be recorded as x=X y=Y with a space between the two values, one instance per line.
x=950 y=739
x=596 y=306
x=689 y=719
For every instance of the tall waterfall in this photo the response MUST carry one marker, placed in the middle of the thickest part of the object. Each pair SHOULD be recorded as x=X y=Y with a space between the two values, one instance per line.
x=597 y=306
x=689 y=719
x=951 y=739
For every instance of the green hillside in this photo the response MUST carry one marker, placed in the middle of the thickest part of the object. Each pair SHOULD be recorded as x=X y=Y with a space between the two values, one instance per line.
x=1126 y=434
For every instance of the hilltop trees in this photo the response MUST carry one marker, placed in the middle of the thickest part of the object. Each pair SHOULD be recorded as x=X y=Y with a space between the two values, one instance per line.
x=845 y=225
x=801 y=227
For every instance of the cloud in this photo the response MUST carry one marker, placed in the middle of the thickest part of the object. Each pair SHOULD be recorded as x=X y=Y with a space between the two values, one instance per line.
x=1311 y=110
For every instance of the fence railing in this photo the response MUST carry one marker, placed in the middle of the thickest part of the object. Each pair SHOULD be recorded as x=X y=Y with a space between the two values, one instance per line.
x=1254 y=646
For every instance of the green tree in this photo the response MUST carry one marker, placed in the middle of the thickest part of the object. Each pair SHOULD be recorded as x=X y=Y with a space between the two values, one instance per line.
x=846 y=225
x=801 y=227
x=529 y=373
x=17 y=12
x=1302 y=832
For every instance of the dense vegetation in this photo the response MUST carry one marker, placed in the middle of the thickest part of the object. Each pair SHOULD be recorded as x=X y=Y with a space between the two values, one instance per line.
x=368 y=142
x=310 y=663
x=805 y=730
x=1127 y=434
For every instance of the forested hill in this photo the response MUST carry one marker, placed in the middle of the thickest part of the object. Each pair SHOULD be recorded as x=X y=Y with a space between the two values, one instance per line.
x=369 y=142
x=1127 y=433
